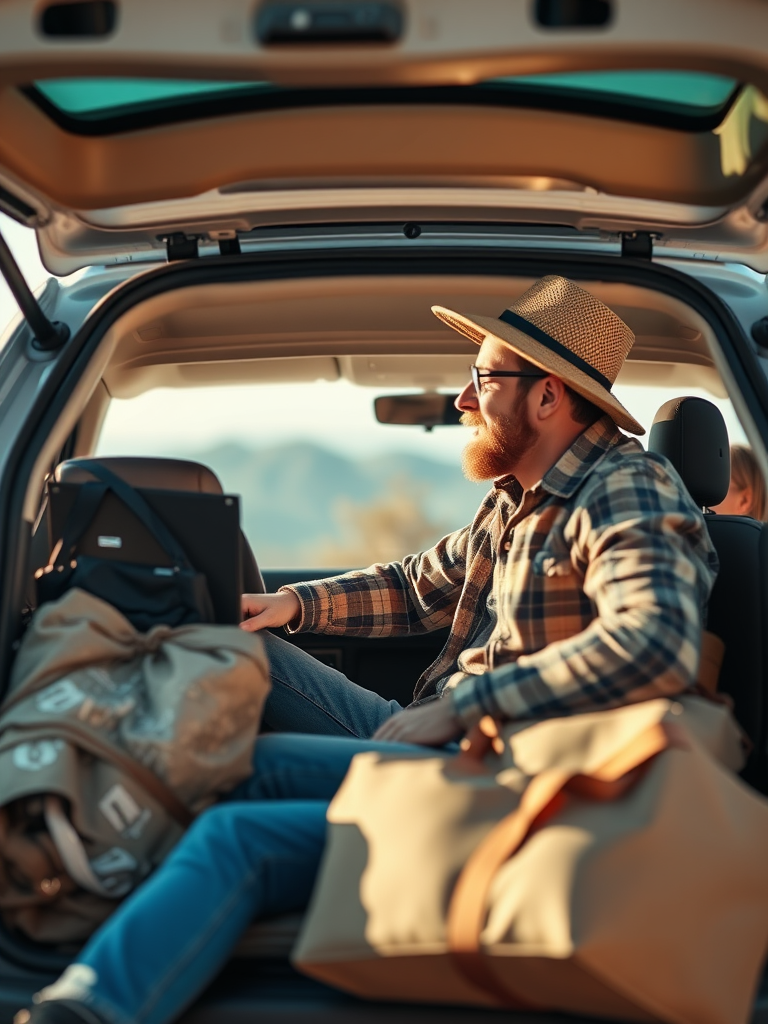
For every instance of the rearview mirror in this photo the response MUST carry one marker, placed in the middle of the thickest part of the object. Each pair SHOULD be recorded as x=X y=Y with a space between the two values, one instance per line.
x=423 y=410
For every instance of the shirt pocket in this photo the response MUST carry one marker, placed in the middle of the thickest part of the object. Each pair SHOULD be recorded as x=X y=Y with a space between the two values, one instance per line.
x=557 y=596
x=553 y=561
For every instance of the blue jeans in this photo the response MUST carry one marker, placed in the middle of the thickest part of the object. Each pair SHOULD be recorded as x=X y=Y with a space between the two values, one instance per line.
x=253 y=856
x=310 y=697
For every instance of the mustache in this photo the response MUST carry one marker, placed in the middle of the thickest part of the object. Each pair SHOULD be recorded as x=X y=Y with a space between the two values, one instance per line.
x=470 y=418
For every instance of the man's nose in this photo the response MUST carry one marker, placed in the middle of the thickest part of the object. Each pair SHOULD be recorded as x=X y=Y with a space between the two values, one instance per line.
x=467 y=400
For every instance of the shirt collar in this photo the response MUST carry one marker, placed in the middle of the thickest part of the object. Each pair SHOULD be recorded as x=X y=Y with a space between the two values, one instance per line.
x=570 y=469
x=581 y=458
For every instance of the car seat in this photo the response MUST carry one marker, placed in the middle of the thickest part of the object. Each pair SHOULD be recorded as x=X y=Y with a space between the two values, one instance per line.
x=692 y=434
x=169 y=475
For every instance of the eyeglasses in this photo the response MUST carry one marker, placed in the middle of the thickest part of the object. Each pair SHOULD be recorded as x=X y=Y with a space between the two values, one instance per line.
x=478 y=374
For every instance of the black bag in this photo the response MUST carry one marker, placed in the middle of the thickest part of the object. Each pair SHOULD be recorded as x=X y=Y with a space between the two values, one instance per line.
x=146 y=595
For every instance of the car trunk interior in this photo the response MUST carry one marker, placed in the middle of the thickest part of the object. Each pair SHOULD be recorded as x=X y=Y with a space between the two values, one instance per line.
x=374 y=329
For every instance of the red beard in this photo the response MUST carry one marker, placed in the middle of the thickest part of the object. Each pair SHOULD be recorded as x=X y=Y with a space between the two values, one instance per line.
x=498 y=447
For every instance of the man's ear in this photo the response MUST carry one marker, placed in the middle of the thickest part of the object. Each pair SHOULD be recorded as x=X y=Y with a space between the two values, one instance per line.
x=551 y=399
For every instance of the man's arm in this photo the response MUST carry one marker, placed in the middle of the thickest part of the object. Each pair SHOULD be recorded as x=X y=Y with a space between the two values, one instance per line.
x=650 y=567
x=416 y=595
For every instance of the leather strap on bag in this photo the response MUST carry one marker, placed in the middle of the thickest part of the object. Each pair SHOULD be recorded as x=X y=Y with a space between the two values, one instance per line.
x=133 y=769
x=545 y=796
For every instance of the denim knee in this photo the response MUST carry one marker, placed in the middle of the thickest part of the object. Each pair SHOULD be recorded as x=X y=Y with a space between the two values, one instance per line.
x=215 y=840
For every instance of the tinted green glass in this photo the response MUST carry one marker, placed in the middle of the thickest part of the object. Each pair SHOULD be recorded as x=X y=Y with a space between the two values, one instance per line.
x=687 y=88
x=103 y=95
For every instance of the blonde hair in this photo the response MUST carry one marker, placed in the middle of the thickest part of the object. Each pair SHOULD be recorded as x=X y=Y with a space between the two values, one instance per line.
x=745 y=473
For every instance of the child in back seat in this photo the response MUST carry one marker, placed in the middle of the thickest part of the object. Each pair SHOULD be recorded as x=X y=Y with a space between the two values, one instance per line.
x=747 y=493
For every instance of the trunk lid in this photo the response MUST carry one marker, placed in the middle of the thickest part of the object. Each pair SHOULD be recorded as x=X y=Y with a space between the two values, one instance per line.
x=141 y=131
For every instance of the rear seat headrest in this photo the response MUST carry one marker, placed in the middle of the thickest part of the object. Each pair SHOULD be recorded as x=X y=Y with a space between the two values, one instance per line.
x=691 y=433
x=160 y=474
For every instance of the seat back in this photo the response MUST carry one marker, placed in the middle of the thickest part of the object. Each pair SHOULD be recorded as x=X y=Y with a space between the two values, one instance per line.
x=167 y=475
x=692 y=434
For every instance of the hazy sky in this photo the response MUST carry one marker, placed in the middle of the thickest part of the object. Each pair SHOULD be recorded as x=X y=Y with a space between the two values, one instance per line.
x=337 y=415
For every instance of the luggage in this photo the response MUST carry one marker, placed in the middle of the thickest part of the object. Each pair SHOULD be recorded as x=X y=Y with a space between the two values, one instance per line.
x=111 y=740
x=147 y=595
x=605 y=864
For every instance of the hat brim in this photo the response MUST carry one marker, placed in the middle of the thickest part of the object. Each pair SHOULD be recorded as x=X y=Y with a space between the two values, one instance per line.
x=477 y=328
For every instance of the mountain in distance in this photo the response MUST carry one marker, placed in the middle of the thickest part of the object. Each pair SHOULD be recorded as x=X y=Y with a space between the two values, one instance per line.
x=303 y=505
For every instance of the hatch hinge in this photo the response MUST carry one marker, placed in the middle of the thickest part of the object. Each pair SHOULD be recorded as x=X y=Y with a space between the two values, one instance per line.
x=179 y=246
x=637 y=245
x=230 y=246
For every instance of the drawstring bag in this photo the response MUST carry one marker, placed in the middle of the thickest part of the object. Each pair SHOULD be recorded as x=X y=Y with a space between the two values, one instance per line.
x=147 y=595
x=111 y=741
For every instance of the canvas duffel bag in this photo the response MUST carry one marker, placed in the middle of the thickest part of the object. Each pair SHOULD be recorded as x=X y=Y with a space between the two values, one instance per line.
x=111 y=740
x=605 y=864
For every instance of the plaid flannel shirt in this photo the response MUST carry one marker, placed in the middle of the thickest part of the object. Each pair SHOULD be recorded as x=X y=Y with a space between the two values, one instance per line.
x=588 y=591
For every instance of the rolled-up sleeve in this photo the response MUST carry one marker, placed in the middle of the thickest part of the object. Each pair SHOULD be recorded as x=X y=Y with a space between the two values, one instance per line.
x=648 y=568
x=417 y=595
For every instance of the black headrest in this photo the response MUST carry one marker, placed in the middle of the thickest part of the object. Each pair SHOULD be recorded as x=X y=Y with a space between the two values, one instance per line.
x=691 y=432
x=162 y=474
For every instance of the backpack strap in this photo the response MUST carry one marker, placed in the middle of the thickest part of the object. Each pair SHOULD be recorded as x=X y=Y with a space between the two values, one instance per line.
x=87 y=503
x=70 y=849
x=85 y=506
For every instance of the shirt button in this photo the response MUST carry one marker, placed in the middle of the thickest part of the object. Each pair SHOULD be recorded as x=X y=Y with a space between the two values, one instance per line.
x=507 y=545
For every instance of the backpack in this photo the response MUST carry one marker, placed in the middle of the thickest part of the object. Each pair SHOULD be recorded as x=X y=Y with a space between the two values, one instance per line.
x=147 y=595
x=111 y=741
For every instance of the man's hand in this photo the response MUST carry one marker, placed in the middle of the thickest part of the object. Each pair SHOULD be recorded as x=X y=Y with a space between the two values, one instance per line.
x=431 y=724
x=267 y=611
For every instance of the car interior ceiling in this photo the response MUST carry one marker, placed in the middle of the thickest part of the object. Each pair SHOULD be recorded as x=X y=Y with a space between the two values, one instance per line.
x=292 y=330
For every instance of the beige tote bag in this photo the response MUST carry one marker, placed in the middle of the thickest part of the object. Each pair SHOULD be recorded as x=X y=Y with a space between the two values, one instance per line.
x=605 y=864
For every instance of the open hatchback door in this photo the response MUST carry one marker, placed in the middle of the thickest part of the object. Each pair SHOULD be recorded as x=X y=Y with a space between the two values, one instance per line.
x=130 y=128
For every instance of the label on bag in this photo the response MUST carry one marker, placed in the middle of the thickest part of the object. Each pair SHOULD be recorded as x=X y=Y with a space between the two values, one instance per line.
x=61 y=696
x=119 y=808
x=33 y=757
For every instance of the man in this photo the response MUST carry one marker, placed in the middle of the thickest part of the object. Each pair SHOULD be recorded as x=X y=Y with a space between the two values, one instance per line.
x=581 y=582
x=579 y=585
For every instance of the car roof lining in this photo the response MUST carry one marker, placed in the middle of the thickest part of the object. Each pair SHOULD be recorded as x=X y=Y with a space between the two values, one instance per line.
x=370 y=142
x=325 y=328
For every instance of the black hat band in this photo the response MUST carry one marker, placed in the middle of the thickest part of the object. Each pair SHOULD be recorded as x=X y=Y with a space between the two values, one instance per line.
x=526 y=327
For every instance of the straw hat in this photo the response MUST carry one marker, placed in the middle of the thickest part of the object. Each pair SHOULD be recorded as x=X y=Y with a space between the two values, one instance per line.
x=564 y=330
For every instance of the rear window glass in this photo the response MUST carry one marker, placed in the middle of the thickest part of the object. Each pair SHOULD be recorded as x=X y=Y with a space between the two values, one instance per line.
x=114 y=104
x=103 y=95
x=323 y=485
x=678 y=88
